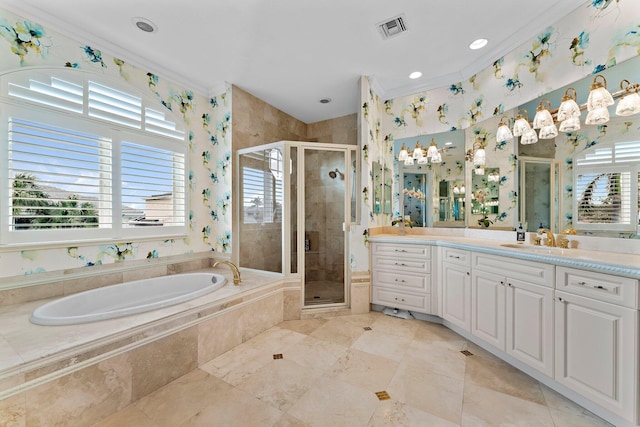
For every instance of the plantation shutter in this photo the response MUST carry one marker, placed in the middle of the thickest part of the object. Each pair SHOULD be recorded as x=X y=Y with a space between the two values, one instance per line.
x=605 y=188
x=603 y=198
x=45 y=158
x=153 y=182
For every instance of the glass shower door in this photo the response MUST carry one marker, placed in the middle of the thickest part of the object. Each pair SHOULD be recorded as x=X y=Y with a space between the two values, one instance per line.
x=325 y=179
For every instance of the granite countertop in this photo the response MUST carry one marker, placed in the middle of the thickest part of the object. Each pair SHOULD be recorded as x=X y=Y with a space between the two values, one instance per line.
x=622 y=264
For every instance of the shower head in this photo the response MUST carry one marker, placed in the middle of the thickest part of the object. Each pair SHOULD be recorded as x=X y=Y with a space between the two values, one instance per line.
x=334 y=173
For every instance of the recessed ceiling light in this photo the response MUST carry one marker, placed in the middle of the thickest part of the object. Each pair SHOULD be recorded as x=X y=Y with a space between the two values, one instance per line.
x=478 y=44
x=415 y=75
x=325 y=100
x=144 y=24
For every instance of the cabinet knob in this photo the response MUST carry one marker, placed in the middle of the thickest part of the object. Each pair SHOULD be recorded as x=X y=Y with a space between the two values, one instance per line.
x=510 y=285
x=468 y=274
x=582 y=283
x=502 y=282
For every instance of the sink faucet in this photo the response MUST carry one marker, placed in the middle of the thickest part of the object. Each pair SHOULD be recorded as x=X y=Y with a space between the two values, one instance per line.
x=234 y=269
x=551 y=240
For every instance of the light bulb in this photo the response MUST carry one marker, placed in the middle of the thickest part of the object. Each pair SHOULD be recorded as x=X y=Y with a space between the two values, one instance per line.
x=504 y=133
x=542 y=118
x=480 y=157
x=529 y=137
x=520 y=126
x=571 y=124
x=597 y=116
x=548 y=132
x=629 y=105
x=599 y=96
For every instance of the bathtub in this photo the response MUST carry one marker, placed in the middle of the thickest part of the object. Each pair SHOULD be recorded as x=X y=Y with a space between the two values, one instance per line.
x=126 y=298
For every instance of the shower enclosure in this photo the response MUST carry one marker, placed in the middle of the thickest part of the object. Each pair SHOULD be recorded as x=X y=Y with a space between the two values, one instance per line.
x=297 y=202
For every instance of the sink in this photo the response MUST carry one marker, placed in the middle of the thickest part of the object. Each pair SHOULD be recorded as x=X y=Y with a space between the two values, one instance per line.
x=535 y=249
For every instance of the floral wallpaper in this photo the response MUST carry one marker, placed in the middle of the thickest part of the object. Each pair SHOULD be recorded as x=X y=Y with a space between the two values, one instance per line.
x=207 y=120
x=595 y=37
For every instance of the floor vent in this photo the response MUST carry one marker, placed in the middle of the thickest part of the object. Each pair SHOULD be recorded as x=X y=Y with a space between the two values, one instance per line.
x=368 y=328
x=466 y=353
x=277 y=356
x=392 y=27
x=383 y=395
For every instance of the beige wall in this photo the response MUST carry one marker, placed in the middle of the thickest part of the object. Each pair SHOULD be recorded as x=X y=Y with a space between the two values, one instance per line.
x=254 y=122
x=341 y=130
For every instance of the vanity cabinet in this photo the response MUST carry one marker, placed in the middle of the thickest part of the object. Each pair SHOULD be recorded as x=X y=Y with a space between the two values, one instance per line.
x=596 y=327
x=512 y=308
x=401 y=276
x=456 y=287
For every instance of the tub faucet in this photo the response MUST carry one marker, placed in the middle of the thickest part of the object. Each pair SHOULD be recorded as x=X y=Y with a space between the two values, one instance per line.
x=234 y=269
x=551 y=240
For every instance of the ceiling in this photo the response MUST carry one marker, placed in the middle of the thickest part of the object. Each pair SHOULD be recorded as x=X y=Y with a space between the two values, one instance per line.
x=292 y=53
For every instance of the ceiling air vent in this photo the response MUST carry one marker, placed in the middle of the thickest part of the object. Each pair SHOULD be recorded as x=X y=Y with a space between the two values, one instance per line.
x=392 y=27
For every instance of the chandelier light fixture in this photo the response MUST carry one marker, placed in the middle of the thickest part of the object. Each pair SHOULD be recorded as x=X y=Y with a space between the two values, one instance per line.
x=569 y=111
x=420 y=155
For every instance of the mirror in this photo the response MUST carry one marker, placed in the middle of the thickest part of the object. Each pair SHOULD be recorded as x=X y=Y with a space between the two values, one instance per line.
x=548 y=193
x=539 y=193
x=414 y=195
x=382 y=185
x=440 y=207
x=451 y=203
x=485 y=196
x=537 y=180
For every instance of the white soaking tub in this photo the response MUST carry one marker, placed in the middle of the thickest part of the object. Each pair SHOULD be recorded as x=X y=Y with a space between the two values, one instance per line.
x=126 y=298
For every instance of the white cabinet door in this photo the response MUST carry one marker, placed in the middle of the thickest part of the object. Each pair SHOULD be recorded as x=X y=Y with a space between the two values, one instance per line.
x=487 y=307
x=595 y=351
x=529 y=324
x=456 y=295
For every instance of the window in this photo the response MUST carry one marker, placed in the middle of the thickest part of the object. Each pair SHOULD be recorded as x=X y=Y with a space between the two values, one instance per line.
x=606 y=189
x=85 y=160
x=262 y=188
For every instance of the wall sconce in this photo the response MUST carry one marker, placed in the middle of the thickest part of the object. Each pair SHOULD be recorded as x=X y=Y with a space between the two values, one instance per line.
x=598 y=102
x=569 y=111
x=568 y=114
x=504 y=133
x=630 y=102
x=544 y=121
x=477 y=156
x=521 y=125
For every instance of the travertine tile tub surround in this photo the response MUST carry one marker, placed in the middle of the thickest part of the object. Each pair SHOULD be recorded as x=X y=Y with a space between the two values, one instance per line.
x=50 y=375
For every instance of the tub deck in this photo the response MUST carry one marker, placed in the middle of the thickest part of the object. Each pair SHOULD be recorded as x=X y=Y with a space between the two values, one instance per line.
x=31 y=354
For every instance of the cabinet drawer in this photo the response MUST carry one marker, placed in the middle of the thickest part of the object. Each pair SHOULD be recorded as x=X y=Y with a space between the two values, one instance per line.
x=603 y=287
x=393 y=298
x=414 y=282
x=402 y=251
x=401 y=265
x=528 y=271
x=456 y=256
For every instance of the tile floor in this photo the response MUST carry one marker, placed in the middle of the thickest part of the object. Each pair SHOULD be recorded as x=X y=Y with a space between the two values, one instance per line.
x=331 y=371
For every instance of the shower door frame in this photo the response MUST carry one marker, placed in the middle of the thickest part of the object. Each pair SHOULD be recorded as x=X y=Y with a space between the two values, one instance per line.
x=351 y=216
x=350 y=153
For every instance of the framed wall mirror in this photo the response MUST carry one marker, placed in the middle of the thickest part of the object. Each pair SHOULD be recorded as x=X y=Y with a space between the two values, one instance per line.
x=437 y=205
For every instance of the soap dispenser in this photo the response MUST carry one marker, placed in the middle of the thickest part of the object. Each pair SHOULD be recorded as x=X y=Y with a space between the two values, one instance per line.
x=520 y=234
